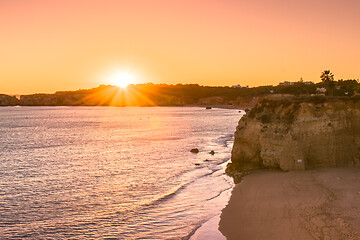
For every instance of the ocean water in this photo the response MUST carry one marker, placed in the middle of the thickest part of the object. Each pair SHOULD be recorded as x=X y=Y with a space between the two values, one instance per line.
x=112 y=173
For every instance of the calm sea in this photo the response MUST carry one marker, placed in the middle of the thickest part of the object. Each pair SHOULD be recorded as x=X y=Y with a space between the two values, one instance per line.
x=112 y=173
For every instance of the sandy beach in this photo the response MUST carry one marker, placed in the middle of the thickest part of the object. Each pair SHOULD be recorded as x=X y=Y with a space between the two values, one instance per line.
x=314 y=204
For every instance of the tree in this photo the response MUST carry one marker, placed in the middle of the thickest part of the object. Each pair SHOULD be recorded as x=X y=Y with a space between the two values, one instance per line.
x=327 y=76
x=328 y=79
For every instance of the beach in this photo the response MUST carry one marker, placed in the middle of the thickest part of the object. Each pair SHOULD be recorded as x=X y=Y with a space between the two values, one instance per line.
x=314 y=204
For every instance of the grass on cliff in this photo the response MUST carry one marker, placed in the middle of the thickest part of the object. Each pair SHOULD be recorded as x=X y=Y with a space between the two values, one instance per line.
x=284 y=108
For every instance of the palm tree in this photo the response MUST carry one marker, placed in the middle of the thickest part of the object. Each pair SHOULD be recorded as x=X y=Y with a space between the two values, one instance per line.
x=327 y=76
x=328 y=79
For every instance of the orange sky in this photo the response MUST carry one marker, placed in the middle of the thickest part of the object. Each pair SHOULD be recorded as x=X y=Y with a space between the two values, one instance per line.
x=50 y=45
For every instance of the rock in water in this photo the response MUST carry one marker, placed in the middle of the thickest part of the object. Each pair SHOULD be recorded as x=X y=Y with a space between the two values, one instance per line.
x=194 y=150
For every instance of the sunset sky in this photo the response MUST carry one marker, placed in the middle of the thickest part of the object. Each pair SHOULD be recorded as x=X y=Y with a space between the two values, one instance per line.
x=50 y=45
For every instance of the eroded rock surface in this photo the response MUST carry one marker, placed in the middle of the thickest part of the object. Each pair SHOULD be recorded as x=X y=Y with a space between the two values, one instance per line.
x=296 y=133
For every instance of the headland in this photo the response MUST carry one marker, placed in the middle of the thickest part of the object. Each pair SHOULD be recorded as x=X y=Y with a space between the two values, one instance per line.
x=297 y=162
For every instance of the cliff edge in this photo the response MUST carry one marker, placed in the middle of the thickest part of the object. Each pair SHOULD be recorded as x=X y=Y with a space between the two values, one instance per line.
x=6 y=100
x=297 y=133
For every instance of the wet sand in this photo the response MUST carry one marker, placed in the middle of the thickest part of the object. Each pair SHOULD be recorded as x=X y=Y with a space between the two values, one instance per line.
x=209 y=230
x=312 y=204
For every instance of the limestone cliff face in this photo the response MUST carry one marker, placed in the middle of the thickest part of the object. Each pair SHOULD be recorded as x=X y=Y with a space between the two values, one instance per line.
x=293 y=133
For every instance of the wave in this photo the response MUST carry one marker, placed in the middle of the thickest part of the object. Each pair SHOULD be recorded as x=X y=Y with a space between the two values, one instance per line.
x=223 y=140
x=166 y=138
x=221 y=192
x=178 y=189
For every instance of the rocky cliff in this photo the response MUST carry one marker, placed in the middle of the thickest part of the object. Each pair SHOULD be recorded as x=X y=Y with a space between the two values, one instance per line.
x=6 y=100
x=296 y=133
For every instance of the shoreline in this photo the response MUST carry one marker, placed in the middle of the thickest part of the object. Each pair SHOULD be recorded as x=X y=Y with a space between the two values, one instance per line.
x=209 y=228
x=320 y=203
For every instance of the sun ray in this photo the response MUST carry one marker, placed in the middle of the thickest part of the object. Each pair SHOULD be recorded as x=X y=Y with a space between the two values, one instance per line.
x=119 y=97
x=121 y=78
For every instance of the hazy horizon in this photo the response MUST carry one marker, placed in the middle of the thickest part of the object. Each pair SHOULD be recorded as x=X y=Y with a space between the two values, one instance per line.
x=114 y=85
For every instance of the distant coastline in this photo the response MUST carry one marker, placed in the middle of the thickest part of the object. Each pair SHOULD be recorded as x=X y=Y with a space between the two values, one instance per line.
x=146 y=95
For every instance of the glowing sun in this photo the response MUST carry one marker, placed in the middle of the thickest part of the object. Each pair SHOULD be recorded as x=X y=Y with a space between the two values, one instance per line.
x=121 y=79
